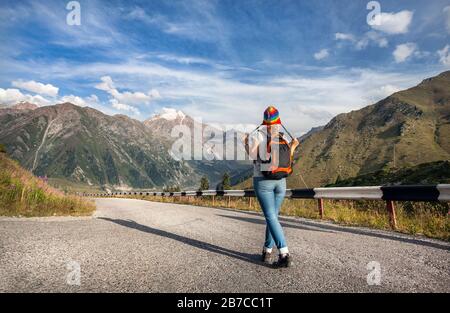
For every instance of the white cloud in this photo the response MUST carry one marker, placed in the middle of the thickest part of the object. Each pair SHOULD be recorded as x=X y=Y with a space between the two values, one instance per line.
x=106 y=85
x=73 y=99
x=92 y=99
x=343 y=36
x=214 y=95
x=131 y=97
x=447 y=17
x=126 y=97
x=154 y=94
x=12 y=96
x=404 y=51
x=36 y=87
x=124 y=107
x=201 y=21
x=444 y=55
x=371 y=37
x=388 y=90
x=183 y=59
x=322 y=54
x=393 y=23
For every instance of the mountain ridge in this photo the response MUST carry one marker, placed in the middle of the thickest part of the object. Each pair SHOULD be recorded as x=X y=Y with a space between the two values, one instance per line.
x=405 y=129
x=88 y=146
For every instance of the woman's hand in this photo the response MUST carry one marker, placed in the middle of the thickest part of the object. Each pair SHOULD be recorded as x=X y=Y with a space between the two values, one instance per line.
x=295 y=143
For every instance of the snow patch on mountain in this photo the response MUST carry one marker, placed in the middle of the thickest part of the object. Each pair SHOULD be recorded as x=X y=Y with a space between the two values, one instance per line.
x=169 y=114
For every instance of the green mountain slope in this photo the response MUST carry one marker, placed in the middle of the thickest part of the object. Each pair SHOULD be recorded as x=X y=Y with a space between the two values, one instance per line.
x=426 y=174
x=85 y=145
x=75 y=146
x=405 y=129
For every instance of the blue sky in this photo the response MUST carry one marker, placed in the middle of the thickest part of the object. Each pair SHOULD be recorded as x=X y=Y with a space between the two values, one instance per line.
x=222 y=61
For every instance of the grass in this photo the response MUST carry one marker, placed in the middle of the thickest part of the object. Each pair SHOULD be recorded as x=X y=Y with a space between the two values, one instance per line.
x=416 y=218
x=73 y=187
x=22 y=194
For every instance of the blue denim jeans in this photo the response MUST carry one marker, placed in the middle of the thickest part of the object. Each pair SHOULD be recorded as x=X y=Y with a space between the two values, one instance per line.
x=270 y=194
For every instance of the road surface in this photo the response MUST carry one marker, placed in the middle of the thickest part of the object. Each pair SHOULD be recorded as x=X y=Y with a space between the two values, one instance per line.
x=140 y=246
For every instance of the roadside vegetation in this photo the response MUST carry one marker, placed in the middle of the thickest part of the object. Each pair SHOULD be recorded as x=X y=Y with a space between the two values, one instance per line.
x=423 y=174
x=22 y=194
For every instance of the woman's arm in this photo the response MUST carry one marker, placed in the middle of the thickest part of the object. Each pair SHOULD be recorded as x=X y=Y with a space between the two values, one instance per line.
x=294 y=144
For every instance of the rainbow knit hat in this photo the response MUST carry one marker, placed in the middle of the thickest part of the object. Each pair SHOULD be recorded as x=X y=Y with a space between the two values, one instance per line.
x=271 y=116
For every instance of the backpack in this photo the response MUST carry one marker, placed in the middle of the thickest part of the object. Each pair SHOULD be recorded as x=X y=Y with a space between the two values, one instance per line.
x=278 y=159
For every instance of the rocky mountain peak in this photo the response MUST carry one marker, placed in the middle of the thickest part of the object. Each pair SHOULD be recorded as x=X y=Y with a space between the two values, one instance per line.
x=24 y=105
x=163 y=122
x=169 y=114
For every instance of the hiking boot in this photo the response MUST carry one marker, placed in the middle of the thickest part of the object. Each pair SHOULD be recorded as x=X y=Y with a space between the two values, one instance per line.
x=284 y=260
x=266 y=256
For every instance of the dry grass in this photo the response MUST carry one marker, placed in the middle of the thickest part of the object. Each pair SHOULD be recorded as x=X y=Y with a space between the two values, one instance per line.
x=418 y=218
x=22 y=194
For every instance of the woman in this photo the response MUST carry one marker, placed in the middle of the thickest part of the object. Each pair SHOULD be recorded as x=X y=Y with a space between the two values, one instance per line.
x=270 y=192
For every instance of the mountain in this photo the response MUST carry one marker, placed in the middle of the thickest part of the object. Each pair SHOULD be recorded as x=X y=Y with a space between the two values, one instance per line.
x=309 y=133
x=426 y=174
x=24 y=106
x=85 y=145
x=406 y=129
x=18 y=107
x=168 y=118
x=164 y=122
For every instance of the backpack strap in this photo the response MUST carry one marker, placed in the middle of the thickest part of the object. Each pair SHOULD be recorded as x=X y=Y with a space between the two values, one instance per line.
x=257 y=128
x=292 y=137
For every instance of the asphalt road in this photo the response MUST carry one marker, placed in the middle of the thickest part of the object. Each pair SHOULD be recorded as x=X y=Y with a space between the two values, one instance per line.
x=139 y=246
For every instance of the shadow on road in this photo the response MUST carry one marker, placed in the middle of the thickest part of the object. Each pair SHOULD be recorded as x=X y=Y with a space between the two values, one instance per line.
x=261 y=221
x=337 y=229
x=252 y=258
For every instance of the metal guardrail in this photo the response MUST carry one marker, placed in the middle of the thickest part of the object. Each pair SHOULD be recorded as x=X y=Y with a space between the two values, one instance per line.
x=440 y=192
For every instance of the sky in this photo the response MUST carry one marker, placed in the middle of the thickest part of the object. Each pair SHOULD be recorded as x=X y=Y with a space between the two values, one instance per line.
x=221 y=61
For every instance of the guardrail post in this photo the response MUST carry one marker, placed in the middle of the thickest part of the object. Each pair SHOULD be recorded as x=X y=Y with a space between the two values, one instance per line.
x=250 y=202
x=213 y=200
x=392 y=217
x=320 y=206
x=229 y=201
